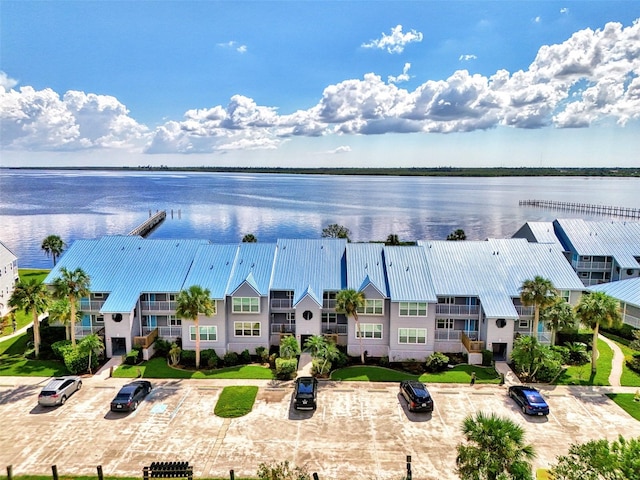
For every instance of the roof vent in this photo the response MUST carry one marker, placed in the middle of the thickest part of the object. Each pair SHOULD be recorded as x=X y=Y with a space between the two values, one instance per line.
x=253 y=265
x=211 y=267
x=407 y=268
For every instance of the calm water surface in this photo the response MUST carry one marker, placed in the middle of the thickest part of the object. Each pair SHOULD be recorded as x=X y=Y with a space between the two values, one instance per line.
x=222 y=207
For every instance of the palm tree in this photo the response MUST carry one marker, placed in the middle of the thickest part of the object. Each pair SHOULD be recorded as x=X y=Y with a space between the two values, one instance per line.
x=539 y=293
x=31 y=296
x=495 y=449
x=457 y=235
x=289 y=347
x=60 y=311
x=54 y=246
x=595 y=309
x=323 y=350
x=192 y=302
x=72 y=285
x=249 y=238
x=559 y=316
x=91 y=344
x=392 y=239
x=348 y=301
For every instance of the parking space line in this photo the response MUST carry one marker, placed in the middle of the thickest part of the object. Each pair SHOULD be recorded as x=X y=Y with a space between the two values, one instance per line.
x=444 y=424
x=587 y=411
x=473 y=407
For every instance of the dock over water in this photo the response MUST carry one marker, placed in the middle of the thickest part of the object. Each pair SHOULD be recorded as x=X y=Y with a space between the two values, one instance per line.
x=585 y=208
x=149 y=224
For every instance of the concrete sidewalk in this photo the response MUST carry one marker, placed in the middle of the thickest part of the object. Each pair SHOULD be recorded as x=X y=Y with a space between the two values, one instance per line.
x=304 y=365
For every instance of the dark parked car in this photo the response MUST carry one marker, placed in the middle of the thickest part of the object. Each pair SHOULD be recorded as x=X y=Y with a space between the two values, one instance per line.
x=130 y=396
x=58 y=390
x=416 y=395
x=529 y=400
x=306 y=393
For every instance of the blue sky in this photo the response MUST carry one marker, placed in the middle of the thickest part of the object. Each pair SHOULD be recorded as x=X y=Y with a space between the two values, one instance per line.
x=320 y=83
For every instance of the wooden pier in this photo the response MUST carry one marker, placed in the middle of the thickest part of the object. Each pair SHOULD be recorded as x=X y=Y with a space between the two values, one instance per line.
x=149 y=224
x=585 y=208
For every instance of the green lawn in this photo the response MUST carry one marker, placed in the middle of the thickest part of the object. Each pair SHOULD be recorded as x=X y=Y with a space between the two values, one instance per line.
x=627 y=402
x=458 y=374
x=158 y=368
x=581 y=375
x=629 y=378
x=235 y=401
x=13 y=362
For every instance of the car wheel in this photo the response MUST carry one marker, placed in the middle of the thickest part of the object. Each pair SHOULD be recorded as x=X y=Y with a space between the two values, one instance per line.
x=63 y=400
x=524 y=410
x=79 y=386
x=134 y=406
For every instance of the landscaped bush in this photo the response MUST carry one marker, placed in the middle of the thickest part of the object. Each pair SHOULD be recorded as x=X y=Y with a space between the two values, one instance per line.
x=58 y=348
x=263 y=354
x=245 y=357
x=188 y=358
x=436 y=362
x=161 y=347
x=562 y=338
x=458 y=358
x=320 y=367
x=578 y=354
x=384 y=361
x=286 y=368
x=78 y=362
x=133 y=357
x=343 y=360
x=209 y=358
x=48 y=336
x=563 y=351
x=625 y=331
x=634 y=363
x=550 y=368
x=487 y=358
x=230 y=359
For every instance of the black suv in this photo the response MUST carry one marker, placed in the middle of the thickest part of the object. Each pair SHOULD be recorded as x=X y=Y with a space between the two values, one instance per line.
x=416 y=395
x=306 y=393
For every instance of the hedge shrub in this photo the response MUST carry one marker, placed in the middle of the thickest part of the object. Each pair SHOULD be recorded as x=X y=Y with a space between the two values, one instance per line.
x=245 y=357
x=188 y=358
x=231 y=359
x=60 y=347
x=487 y=358
x=77 y=362
x=286 y=368
x=436 y=362
x=209 y=358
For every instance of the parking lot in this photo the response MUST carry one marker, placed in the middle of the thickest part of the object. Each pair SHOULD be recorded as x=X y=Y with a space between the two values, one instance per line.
x=359 y=430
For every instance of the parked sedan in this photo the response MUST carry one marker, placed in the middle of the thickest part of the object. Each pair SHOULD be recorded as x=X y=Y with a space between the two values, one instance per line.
x=417 y=396
x=130 y=396
x=529 y=400
x=58 y=390
x=306 y=393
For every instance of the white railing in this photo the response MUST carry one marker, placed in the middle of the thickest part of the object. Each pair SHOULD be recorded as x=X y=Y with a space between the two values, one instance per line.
x=84 y=331
x=281 y=303
x=164 y=331
x=91 y=305
x=339 y=328
x=631 y=320
x=158 y=306
x=594 y=265
x=447 y=335
x=525 y=311
x=328 y=304
x=449 y=309
x=283 y=328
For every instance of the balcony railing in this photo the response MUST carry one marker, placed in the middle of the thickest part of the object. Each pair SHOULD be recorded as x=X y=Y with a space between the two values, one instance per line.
x=173 y=331
x=631 y=320
x=329 y=304
x=525 y=311
x=87 y=305
x=158 y=306
x=472 y=346
x=447 y=335
x=281 y=303
x=594 y=266
x=84 y=331
x=448 y=309
x=283 y=328
x=339 y=328
x=146 y=340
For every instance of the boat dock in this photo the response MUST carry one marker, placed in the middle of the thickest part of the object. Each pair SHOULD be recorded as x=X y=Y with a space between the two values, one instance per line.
x=149 y=224
x=584 y=208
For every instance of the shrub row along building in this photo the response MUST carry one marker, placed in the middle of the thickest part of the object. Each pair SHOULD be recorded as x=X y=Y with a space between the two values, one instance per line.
x=434 y=296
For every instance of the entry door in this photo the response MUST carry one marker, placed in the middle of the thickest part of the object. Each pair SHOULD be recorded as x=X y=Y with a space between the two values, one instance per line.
x=500 y=352
x=118 y=346
x=303 y=340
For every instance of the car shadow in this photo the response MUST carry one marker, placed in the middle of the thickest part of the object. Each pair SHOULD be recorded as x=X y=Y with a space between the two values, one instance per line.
x=116 y=415
x=416 y=417
x=39 y=409
x=295 y=414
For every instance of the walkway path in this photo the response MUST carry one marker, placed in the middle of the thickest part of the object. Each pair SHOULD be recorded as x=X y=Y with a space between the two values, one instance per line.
x=617 y=362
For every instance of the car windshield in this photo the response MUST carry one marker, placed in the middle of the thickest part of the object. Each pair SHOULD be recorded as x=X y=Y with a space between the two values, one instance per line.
x=305 y=388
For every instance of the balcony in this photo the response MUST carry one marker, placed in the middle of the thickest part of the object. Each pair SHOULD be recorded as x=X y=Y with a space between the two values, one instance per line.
x=339 y=329
x=146 y=340
x=329 y=304
x=281 y=303
x=631 y=320
x=173 y=331
x=449 y=309
x=595 y=266
x=84 y=331
x=283 y=328
x=87 y=305
x=525 y=311
x=472 y=346
x=158 y=306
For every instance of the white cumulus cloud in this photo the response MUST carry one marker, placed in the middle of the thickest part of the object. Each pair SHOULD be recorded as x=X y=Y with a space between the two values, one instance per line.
x=466 y=58
x=403 y=77
x=395 y=42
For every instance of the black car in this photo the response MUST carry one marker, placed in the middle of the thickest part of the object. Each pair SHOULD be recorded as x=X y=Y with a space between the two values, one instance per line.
x=529 y=400
x=416 y=395
x=306 y=393
x=130 y=396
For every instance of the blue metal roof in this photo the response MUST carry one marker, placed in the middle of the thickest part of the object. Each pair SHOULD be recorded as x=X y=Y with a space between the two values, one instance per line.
x=211 y=268
x=627 y=291
x=309 y=267
x=620 y=240
x=408 y=274
x=254 y=264
x=365 y=266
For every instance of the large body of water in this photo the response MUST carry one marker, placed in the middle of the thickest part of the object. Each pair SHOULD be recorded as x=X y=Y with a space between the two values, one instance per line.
x=223 y=207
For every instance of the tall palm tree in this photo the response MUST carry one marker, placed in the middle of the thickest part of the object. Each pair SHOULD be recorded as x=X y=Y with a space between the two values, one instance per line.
x=54 y=246
x=558 y=316
x=539 y=293
x=495 y=449
x=72 y=285
x=595 y=309
x=192 y=302
x=348 y=301
x=32 y=297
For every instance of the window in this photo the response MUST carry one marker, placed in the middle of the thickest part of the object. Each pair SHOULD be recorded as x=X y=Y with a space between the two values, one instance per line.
x=523 y=323
x=247 y=329
x=565 y=294
x=246 y=305
x=329 y=317
x=372 y=307
x=174 y=322
x=412 y=335
x=100 y=319
x=207 y=333
x=98 y=295
x=370 y=330
x=444 y=323
x=413 y=309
